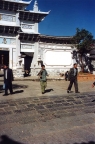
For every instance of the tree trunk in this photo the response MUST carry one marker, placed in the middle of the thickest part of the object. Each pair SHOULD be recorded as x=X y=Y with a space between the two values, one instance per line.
x=82 y=66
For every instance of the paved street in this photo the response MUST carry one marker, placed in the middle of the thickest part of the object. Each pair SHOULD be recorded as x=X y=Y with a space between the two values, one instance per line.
x=28 y=117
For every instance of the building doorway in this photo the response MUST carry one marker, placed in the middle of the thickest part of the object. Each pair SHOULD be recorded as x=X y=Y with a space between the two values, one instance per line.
x=28 y=57
x=4 y=58
x=27 y=65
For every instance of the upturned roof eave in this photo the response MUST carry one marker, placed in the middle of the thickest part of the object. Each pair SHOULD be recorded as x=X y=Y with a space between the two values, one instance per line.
x=21 y=2
x=28 y=33
x=9 y=26
x=37 y=12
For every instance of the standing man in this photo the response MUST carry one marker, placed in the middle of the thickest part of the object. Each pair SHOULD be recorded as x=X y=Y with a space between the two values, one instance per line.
x=43 y=80
x=73 y=78
x=8 y=78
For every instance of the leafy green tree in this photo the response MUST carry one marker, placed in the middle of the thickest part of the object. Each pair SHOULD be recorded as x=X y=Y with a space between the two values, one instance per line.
x=83 y=41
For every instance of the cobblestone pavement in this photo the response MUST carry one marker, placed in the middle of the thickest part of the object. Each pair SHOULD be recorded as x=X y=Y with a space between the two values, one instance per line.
x=28 y=117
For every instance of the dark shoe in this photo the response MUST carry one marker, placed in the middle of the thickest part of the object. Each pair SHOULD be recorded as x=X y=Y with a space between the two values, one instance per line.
x=42 y=92
x=11 y=93
x=5 y=95
x=68 y=91
x=77 y=92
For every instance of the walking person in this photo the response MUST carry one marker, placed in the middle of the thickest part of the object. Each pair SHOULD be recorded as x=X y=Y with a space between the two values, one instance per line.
x=43 y=81
x=73 y=78
x=8 y=78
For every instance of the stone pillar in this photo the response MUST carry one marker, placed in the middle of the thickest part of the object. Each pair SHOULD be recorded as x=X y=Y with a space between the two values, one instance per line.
x=34 y=64
x=34 y=61
x=36 y=27
x=17 y=39
x=17 y=19
x=17 y=47
x=35 y=9
x=10 y=58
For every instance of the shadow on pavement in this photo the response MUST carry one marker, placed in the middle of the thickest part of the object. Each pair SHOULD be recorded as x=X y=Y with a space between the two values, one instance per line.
x=16 y=86
x=91 y=142
x=93 y=100
x=6 y=140
x=18 y=91
x=71 y=91
x=48 y=90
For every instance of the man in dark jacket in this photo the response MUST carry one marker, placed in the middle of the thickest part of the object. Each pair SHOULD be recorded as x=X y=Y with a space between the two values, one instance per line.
x=8 y=78
x=73 y=78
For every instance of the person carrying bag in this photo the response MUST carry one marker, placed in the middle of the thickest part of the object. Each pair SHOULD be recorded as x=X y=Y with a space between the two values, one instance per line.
x=43 y=81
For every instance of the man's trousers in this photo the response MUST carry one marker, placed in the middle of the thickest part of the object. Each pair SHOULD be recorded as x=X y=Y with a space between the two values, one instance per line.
x=8 y=85
x=43 y=85
x=74 y=80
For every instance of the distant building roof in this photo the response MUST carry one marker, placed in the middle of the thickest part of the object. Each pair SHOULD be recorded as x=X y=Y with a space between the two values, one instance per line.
x=55 y=39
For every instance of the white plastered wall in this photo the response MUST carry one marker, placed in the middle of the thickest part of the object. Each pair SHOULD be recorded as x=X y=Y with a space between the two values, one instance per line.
x=56 y=57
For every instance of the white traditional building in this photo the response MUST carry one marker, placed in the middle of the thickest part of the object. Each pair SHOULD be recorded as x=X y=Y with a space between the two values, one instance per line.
x=21 y=45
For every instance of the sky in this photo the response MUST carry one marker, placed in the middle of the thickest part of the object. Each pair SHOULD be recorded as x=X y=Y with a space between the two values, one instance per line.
x=66 y=16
